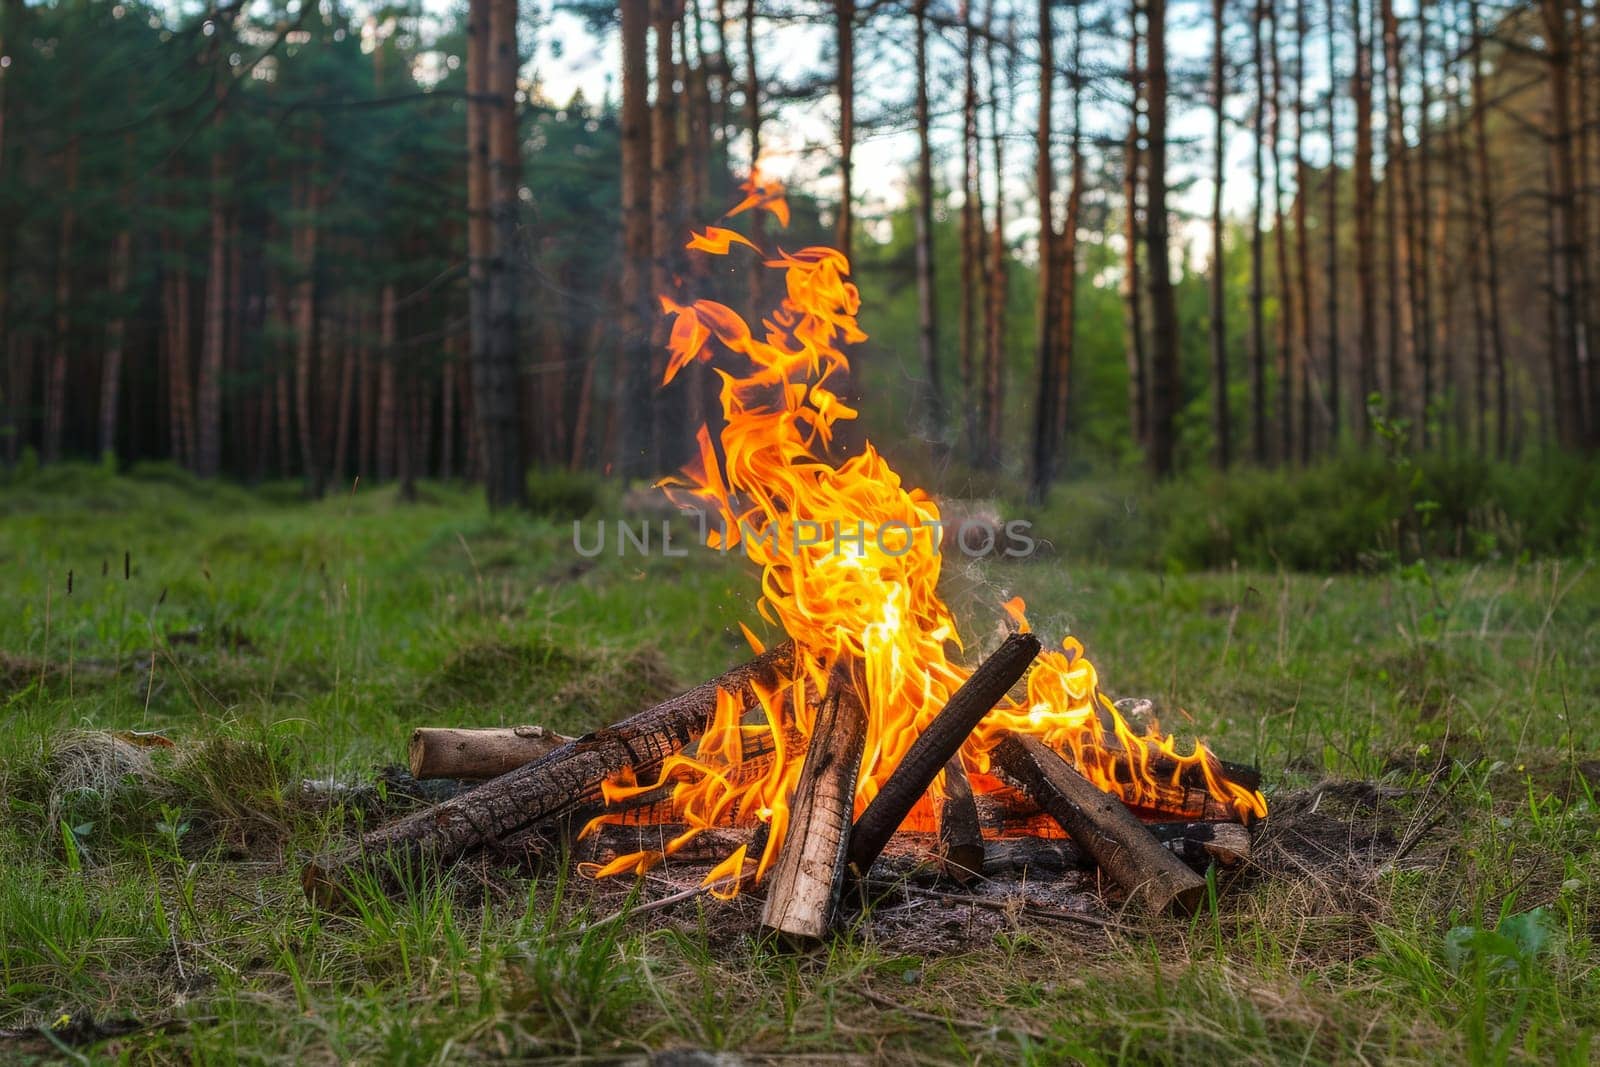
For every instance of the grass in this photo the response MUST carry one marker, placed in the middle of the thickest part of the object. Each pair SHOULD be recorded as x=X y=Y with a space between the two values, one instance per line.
x=149 y=908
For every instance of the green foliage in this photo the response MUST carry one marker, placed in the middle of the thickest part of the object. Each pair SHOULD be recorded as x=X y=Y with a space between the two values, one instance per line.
x=1357 y=510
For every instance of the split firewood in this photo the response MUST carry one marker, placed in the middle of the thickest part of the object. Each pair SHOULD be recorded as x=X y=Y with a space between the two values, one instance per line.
x=478 y=755
x=1154 y=879
x=961 y=845
x=551 y=788
x=805 y=883
x=934 y=747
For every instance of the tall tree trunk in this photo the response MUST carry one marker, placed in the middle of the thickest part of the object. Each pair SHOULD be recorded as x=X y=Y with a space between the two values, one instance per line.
x=1366 y=285
x=1395 y=288
x=1330 y=225
x=998 y=278
x=388 y=387
x=1488 y=230
x=305 y=330
x=1421 y=264
x=971 y=239
x=447 y=413
x=344 y=419
x=1287 y=311
x=1571 y=268
x=1067 y=274
x=844 y=13
x=1302 y=196
x=1221 y=422
x=1044 y=429
x=1166 y=382
x=208 y=395
x=927 y=321
x=671 y=429
x=55 y=402
x=1258 y=322
x=752 y=119
x=480 y=241
x=495 y=375
x=633 y=383
x=1133 y=236
x=117 y=328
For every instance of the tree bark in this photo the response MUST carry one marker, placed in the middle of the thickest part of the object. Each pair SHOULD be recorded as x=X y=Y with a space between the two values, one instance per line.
x=1166 y=383
x=55 y=397
x=1489 y=229
x=208 y=395
x=496 y=397
x=543 y=791
x=1330 y=226
x=669 y=417
x=998 y=278
x=971 y=248
x=1258 y=274
x=1285 y=338
x=805 y=883
x=1302 y=229
x=1366 y=286
x=633 y=383
x=1045 y=313
x=927 y=320
x=844 y=13
x=1133 y=235
x=1221 y=423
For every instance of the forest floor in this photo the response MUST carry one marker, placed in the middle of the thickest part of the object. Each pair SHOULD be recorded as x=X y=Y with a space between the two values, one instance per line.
x=149 y=903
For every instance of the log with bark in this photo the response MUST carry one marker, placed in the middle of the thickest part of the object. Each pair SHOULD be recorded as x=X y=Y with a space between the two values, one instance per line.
x=1155 y=880
x=806 y=882
x=561 y=783
x=935 y=746
x=479 y=754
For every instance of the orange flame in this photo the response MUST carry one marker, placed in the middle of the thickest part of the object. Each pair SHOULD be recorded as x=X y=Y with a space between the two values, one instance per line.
x=850 y=566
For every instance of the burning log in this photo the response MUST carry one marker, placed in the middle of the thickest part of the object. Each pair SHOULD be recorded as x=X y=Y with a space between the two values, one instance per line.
x=1154 y=879
x=961 y=846
x=807 y=879
x=934 y=747
x=557 y=785
x=1006 y=812
x=478 y=755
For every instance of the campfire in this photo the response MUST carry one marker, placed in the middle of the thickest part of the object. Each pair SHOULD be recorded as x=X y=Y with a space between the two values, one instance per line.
x=793 y=773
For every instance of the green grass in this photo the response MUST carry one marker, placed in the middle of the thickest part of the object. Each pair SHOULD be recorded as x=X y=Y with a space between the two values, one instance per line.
x=277 y=641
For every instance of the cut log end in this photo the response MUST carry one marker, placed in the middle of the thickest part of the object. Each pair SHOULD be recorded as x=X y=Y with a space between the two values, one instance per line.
x=478 y=755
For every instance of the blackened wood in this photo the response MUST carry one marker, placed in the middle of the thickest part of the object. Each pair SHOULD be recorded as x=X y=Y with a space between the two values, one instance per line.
x=1154 y=879
x=960 y=836
x=933 y=748
x=806 y=881
x=548 y=789
x=1198 y=844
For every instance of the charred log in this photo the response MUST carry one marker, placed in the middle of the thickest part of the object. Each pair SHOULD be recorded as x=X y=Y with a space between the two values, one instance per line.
x=935 y=746
x=961 y=847
x=1155 y=880
x=557 y=785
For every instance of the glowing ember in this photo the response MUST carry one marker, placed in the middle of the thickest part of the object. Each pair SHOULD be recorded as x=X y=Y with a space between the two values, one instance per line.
x=850 y=570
